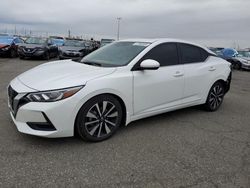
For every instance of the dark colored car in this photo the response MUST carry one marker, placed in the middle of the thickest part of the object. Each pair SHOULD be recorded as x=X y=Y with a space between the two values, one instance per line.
x=9 y=45
x=217 y=51
x=74 y=49
x=38 y=47
x=238 y=59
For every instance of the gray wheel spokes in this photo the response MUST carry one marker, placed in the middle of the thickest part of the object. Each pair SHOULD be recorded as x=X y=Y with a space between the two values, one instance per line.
x=115 y=114
x=98 y=109
x=110 y=110
x=109 y=122
x=104 y=106
x=91 y=122
x=94 y=130
x=107 y=129
x=100 y=129
x=101 y=119
x=91 y=115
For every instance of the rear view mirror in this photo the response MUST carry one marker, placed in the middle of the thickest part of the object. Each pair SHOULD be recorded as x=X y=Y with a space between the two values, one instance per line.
x=149 y=64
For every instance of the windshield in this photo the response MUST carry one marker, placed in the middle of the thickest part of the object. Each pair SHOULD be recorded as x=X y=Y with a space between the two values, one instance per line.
x=243 y=54
x=76 y=43
x=35 y=40
x=6 y=40
x=115 y=54
x=58 y=42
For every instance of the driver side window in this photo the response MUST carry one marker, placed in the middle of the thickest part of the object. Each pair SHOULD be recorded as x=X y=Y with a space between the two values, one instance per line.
x=166 y=54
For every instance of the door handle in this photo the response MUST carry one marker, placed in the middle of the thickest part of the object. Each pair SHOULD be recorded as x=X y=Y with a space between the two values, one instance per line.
x=212 y=69
x=178 y=74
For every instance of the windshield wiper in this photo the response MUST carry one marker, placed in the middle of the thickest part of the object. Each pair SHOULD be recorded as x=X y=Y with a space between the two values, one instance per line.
x=93 y=63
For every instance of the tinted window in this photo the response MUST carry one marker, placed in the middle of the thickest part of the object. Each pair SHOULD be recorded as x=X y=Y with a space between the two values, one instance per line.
x=116 y=54
x=165 y=54
x=192 y=54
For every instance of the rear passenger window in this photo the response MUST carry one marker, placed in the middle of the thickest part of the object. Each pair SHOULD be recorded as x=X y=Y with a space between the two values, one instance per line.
x=192 y=54
x=166 y=54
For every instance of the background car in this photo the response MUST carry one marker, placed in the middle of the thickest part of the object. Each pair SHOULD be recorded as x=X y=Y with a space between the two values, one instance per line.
x=74 y=49
x=238 y=60
x=217 y=51
x=106 y=41
x=38 y=47
x=9 y=45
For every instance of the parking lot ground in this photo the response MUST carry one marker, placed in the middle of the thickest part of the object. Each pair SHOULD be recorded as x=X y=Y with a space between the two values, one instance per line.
x=185 y=148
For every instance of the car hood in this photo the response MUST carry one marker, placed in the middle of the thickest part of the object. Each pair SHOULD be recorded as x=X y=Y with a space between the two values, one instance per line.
x=61 y=74
x=72 y=48
x=4 y=45
x=32 y=45
x=242 y=58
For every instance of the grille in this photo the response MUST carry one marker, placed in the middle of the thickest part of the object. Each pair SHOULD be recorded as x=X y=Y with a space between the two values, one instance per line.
x=29 y=50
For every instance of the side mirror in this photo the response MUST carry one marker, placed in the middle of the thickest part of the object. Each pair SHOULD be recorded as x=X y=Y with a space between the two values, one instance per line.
x=149 y=64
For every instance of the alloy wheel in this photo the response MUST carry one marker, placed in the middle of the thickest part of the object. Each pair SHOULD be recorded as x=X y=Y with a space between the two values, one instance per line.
x=101 y=119
x=216 y=96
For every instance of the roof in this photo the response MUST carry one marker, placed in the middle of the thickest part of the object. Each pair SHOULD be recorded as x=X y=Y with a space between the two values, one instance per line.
x=161 y=40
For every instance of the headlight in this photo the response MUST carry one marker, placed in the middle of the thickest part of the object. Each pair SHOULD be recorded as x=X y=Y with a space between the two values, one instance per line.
x=6 y=48
x=52 y=96
x=244 y=62
x=40 y=49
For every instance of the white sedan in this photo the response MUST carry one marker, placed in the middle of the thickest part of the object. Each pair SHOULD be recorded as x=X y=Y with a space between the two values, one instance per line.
x=119 y=83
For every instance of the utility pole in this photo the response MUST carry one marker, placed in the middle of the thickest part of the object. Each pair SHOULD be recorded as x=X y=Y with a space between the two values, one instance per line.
x=69 y=33
x=118 y=29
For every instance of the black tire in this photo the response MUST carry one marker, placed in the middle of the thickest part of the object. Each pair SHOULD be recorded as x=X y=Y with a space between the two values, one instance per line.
x=21 y=57
x=99 y=118
x=237 y=66
x=46 y=56
x=13 y=53
x=215 y=97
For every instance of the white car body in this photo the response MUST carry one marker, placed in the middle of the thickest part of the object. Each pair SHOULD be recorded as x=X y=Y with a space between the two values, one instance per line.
x=144 y=93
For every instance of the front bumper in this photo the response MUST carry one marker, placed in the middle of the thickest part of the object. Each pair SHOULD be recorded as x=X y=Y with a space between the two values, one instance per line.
x=34 y=53
x=245 y=66
x=4 y=52
x=51 y=119
x=64 y=55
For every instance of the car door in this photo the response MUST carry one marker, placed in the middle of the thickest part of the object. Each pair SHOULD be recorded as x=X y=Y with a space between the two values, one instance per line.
x=52 y=48
x=156 y=90
x=198 y=72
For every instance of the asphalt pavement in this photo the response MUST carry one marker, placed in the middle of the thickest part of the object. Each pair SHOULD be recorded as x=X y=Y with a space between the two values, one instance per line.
x=185 y=148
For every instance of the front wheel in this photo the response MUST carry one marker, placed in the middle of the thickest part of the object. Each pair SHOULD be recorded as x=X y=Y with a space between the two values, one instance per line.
x=46 y=56
x=215 y=97
x=99 y=118
x=237 y=66
x=13 y=53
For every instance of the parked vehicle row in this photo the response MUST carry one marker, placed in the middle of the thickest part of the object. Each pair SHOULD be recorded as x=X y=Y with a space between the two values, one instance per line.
x=239 y=59
x=46 y=47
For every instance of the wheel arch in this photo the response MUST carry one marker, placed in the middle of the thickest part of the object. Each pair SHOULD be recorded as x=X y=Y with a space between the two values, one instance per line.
x=221 y=80
x=121 y=101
